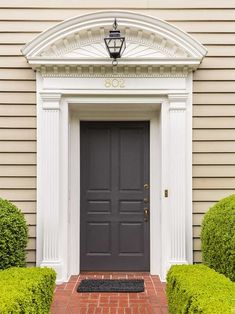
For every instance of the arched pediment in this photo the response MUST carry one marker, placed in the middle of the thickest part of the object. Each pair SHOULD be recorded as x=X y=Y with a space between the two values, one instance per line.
x=80 y=42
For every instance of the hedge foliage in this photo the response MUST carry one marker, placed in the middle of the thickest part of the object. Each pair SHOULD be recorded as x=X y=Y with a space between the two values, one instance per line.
x=13 y=236
x=196 y=289
x=218 y=237
x=26 y=290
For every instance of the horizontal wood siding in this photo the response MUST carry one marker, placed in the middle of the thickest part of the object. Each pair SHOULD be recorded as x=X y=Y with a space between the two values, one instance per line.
x=209 y=21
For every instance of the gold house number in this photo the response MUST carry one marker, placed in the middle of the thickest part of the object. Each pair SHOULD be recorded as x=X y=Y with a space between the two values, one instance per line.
x=114 y=83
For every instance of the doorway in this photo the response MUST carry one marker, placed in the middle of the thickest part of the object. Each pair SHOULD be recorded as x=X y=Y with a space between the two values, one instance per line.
x=114 y=199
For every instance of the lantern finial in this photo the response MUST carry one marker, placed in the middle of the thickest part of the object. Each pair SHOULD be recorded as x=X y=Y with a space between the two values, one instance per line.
x=115 y=24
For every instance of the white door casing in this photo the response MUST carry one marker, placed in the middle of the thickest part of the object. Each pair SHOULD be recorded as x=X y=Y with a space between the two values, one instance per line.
x=76 y=81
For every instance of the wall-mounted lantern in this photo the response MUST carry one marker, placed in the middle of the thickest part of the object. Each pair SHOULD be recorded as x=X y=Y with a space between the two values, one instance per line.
x=115 y=43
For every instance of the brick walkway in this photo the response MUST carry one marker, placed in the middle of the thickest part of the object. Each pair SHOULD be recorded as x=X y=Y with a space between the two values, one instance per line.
x=152 y=301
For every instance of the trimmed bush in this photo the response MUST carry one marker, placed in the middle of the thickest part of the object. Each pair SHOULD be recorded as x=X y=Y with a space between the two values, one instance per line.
x=26 y=290
x=199 y=289
x=13 y=236
x=218 y=237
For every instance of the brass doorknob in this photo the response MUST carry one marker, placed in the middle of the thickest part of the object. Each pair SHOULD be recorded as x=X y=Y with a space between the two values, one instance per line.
x=146 y=186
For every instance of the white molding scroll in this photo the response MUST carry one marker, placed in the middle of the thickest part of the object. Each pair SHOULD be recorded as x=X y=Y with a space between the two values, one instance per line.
x=76 y=46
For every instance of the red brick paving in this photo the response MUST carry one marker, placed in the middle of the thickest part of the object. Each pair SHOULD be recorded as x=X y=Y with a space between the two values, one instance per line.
x=68 y=301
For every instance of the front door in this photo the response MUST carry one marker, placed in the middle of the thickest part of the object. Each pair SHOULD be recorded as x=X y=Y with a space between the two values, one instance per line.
x=114 y=196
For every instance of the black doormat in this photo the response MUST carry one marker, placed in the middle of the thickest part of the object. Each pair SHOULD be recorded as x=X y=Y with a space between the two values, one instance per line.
x=111 y=285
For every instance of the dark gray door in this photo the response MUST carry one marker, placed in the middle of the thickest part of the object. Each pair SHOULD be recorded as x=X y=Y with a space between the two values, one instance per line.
x=114 y=196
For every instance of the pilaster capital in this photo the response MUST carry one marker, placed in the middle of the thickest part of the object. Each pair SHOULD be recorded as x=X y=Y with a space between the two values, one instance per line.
x=178 y=101
x=51 y=101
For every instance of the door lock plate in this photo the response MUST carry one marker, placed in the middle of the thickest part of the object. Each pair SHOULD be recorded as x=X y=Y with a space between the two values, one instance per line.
x=146 y=214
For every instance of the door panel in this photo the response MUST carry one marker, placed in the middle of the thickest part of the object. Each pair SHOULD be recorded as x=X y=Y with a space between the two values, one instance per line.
x=114 y=168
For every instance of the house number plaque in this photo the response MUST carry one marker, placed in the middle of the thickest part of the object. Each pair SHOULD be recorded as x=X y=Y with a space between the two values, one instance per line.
x=114 y=83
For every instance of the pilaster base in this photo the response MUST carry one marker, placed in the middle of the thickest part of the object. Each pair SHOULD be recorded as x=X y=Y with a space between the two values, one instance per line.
x=58 y=267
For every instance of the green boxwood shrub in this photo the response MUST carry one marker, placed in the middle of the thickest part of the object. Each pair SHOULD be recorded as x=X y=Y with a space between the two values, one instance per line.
x=199 y=289
x=218 y=237
x=13 y=236
x=26 y=290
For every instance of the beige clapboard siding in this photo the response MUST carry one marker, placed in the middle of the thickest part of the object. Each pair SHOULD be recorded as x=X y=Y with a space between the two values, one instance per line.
x=18 y=86
x=220 y=51
x=17 y=183
x=18 y=195
x=17 y=74
x=17 y=122
x=10 y=50
x=18 y=170
x=197 y=256
x=214 y=87
x=176 y=4
x=32 y=231
x=213 y=98
x=211 y=183
x=196 y=232
x=213 y=110
x=17 y=38
x=214 y=39
x=210 y=22
x=17 y=110
x=31 y=256
x=211 y=195
x=171 y=15
x=26 y=26
x=214 y=74
x=215 y=146
x=211 y=134
x=30 y=219
x=197 y=244
x=213 y=158
x=56 y=15
x=202 y=206
x=13 y=62
x=213 y=122
x=197 y=219
x=218 y=63
x=205 y=27
x=18 y=134
x=26 y=207
x=18 y=146
x=17 y=158
x=17 y=98
x=214 y=171
x=31 y=244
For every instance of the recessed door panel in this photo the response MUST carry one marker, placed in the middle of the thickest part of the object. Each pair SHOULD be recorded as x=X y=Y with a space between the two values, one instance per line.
x=98 y=238
x=131 y=158
x=131 y=238
x=98 y=159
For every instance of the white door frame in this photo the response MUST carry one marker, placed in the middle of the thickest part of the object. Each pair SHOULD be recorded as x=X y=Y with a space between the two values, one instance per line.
x=170 y=143
x=155 y=170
